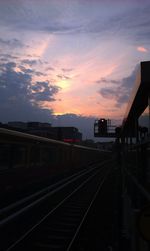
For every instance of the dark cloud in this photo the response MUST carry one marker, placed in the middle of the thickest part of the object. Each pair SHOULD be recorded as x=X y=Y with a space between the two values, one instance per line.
x=50 y=69
x=19 y=96
x=43 y=91
x=32 y=56
x=29 y=62
x=11 y=43
x=67 y=69
x=31 y=71
x=38 y=73
x=121 y=92
x=60 y=28
x=3 y=60
x=10 y=66
x=7 y=56
x=108 y=81
x=63 y=77
x=109 y=93
x=26 y=70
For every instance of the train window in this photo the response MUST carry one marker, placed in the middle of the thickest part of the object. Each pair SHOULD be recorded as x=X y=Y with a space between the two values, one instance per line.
x=18 y=155
x=49 y=155
x=4 y=156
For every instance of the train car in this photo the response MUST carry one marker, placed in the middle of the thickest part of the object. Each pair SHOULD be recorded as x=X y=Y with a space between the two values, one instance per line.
x=27 y=159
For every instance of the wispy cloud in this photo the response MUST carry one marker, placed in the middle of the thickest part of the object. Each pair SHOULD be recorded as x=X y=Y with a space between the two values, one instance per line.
x=7 y=57
x=69 y=17
x=50 y=69
x=141 y=49
x=63 y=77
x=67 y=69
x=108 y=81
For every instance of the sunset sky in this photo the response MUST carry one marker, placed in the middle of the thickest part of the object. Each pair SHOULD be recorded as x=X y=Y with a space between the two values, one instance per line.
x=68 y=62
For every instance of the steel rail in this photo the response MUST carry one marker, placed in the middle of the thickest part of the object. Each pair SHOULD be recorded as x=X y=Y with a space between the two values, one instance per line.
x=50 y=212
x=34 y=195
x=39 y=200
x=87 y=211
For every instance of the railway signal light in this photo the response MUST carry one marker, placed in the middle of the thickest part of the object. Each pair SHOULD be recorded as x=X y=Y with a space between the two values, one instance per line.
x=100 y=128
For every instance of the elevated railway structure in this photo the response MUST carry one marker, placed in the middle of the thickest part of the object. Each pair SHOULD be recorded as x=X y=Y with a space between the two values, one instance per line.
x=135 y=143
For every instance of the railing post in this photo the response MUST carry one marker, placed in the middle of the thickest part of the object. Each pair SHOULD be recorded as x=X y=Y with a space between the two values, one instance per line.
x=149 y=115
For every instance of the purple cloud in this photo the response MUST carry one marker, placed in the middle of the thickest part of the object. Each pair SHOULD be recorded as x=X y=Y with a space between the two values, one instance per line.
x=121 y=92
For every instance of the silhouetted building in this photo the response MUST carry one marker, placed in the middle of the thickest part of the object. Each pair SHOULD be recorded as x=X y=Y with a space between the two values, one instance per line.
x=38 y=125
x=40 y=129
x=68 y=134
x=18 y=124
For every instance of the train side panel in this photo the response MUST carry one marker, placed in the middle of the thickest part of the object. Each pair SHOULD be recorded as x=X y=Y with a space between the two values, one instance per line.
x=28 y=159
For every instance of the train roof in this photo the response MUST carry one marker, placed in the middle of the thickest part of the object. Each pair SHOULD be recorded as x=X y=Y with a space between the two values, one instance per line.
x=11 y=136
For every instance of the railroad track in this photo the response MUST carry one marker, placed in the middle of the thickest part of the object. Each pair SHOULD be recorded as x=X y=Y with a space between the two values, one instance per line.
x=51 y=218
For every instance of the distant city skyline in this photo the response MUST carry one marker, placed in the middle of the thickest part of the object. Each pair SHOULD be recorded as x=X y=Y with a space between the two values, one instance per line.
x=69 y=62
